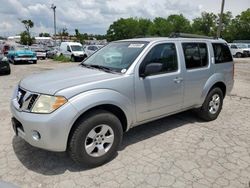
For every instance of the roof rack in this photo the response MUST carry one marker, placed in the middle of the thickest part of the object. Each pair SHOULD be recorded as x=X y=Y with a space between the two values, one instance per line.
x=188 y=35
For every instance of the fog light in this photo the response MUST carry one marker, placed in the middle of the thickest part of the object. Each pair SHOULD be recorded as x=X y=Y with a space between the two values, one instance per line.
x=36 y=135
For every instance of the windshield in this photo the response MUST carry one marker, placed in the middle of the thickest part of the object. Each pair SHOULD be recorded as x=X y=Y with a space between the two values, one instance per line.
x=76 y=48
x=117 y=56
x=21 y=48
x=242 y=46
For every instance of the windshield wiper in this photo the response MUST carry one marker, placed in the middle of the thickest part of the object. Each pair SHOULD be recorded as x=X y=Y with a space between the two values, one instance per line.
x=106 y=69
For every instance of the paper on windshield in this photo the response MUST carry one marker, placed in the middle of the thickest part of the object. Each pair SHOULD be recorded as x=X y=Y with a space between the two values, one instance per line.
x=135 y=45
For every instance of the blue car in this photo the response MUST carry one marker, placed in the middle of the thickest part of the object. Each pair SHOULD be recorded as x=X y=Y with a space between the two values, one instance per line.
x=19 y=53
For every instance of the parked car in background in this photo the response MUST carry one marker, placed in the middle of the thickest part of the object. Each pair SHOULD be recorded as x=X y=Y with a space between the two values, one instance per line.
x=90 y=49
x=72 y=50
x=5 y=49
x=86 y=109
x=52 y=52
x=4 y=65
x=40 y=52
x=20 y=53
x=239 y=50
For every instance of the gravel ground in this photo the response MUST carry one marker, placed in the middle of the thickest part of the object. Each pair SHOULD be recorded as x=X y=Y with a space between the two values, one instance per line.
x=177 y=151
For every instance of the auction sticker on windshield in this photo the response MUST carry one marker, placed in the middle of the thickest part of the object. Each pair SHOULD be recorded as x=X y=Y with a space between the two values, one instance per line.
x=135 y=45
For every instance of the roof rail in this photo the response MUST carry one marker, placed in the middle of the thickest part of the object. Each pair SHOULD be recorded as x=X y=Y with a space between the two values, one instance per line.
x=188 y=35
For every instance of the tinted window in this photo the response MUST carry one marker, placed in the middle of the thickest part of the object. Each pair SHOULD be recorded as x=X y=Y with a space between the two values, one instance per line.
x=233 y=47
x=196 y=55
x=164 y=54
x=222 y=53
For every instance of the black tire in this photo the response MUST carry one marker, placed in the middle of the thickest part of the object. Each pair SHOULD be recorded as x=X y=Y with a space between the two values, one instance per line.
x=35 y=62
x=204 y=112
x=76 y=144
x=8 y=72
x=239 y=55
x=84 y=57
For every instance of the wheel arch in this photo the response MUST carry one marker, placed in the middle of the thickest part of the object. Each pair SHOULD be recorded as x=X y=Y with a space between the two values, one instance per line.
x=114 y=109
x=216 y=80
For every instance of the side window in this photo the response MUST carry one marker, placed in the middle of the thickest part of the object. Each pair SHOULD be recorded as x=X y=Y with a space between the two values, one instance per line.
x=68 y=49
x=222 y=53
x=164 y=54
x=196 y=55
x=233 y=47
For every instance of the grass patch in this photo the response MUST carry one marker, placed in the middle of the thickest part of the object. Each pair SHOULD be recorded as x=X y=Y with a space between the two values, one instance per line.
x=61 y=58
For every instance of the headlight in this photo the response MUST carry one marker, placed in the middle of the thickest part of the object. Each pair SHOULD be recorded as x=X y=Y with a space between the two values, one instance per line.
x=47 y=104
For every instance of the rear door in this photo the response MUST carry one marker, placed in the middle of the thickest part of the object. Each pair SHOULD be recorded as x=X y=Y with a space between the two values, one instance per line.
x=197 y=62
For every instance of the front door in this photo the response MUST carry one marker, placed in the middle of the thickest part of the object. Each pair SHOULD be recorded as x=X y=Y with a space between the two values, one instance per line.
x=162 y=92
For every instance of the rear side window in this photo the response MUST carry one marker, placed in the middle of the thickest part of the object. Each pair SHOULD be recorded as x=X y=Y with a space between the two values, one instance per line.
x=222 y=53
x=196 y=55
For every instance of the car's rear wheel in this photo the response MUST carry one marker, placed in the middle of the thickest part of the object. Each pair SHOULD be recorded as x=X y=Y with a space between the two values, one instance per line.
x=212 y=105
x=239 y=55
x=96 y=138
x=35 y=62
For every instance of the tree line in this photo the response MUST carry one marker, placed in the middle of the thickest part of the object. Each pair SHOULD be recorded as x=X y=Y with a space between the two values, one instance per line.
x=233 y=28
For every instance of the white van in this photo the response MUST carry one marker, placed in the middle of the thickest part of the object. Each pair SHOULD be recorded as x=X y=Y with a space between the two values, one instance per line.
x=73 y=50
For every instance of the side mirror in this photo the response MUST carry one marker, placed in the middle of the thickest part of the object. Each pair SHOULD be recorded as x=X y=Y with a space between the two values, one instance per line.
x=151 y=69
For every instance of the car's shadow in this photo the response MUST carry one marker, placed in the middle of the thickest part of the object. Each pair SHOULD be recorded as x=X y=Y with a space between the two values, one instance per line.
x=52 y=163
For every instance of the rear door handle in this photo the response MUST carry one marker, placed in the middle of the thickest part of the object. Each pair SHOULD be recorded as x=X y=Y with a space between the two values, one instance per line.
x=178 y=80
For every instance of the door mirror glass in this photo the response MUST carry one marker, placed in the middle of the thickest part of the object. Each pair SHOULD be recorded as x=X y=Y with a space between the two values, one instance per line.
x=152 y=68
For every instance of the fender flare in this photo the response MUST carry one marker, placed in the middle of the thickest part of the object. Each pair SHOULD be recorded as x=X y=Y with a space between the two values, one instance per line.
x=93 y=98
x=215 y=78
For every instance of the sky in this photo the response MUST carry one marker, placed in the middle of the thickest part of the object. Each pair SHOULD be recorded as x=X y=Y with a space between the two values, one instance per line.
x=95 y=16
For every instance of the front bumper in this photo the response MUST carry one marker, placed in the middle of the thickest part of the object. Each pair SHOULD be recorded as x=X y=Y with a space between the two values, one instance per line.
x=25 y=58
x=53 y=128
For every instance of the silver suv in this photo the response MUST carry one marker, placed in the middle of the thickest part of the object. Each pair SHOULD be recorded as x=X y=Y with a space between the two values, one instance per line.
x=86 y=109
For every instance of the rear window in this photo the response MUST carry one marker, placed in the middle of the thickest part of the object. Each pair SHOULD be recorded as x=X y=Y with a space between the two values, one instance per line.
x=222 y=53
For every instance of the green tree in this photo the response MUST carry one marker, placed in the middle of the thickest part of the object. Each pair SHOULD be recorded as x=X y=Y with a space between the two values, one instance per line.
x=44 y=35
x=240 y=26
x=178 y=23
x=226 y=23
x=28 y=24
x=123 y=29
x=160 y=27
x=143 y=27
x=205 y=25
x=26 y=39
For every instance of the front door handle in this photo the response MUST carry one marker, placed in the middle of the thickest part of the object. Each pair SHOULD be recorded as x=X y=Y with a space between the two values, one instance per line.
x=178 y=80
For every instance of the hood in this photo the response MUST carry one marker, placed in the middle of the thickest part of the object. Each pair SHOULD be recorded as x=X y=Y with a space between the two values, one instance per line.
x=53 y=81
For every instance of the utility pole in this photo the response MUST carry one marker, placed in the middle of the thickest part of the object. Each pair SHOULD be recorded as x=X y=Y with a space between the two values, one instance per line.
x=221 y=16
x=54 y=10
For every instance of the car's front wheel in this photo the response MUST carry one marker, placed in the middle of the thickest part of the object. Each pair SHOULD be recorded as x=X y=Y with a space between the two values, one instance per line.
x=212 y=105
x=73 y=59
x=96 y=138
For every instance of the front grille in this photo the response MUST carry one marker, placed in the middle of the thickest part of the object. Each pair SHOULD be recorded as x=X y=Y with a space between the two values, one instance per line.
x=20 y=95
x=26 y=99
x=25 y=56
